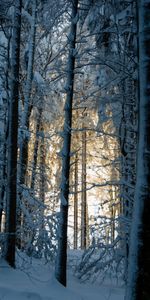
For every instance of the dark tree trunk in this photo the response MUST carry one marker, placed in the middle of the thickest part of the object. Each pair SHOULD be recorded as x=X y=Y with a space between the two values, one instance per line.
x=42 y=186
x=23 y=159
x=83 y=195
x=61 y=262
x=36 y=148
x=76 y=204
x=4 y=167
x=27 y=100
x=5 y=122
x=138 y=287
x=42 y=165
x=12 y=139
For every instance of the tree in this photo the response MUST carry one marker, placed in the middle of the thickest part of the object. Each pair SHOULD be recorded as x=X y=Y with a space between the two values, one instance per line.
x=12 y=139
x=26 y=115
x=138 y=287
x=5 y=44
x=75 y=227
x=84 y=196
x=60 y=271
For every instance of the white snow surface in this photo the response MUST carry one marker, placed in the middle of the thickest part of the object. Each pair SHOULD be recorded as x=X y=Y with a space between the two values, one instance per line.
x=36 y=281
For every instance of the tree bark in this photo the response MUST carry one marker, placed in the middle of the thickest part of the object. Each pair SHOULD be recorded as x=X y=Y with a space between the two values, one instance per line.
x=76 y=203
x=13 y=139
x=27 y=101
x=5 y=122
x=138 y=287
x=83 y=196
x=4 y=166
x=61 y=262
x=36 y=148
x=23 y=158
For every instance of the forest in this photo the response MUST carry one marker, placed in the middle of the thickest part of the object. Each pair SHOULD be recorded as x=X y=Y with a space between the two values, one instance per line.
x=74 y=149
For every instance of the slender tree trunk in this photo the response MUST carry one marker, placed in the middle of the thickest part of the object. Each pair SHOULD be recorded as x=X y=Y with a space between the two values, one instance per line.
x=42 y=166
x=138 y=287
x=36 y=147
x=5 y=122
x=61 y=262
x=76 y=204
x=112 y=212
x=27 y=100
x=31 y=233
x=42 y=188
x=4 y=167
x=83 y=196
x=23 y=159
x=12 y=139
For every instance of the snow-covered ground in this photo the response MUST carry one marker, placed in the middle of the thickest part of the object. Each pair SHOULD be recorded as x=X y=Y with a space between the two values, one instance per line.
x=36 y=282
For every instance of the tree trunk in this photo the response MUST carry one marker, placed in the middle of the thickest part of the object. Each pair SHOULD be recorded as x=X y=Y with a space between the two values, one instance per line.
x=76 y=204
x=36 y=148
x=23 y=159
x=4 y=166
x=42 y=166
x=12 y=139
x=27 y=101
x=42 y=185
x=83 y=196
x=5 y=122
x=138 y=287
x=61 y=262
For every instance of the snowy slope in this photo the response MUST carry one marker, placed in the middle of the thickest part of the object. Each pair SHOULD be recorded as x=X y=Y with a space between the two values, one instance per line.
x=37 y=282
x=95 y=292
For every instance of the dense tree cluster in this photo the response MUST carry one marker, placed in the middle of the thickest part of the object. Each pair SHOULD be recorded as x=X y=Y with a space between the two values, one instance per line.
x=74 y=135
